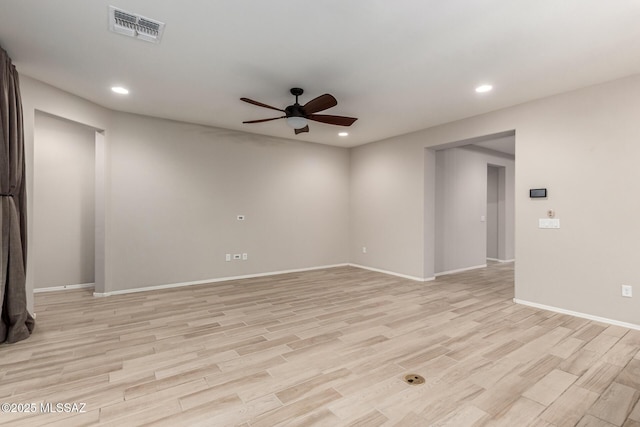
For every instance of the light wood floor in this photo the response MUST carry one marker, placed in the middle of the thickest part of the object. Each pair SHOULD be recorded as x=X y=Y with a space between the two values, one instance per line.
x=322 y=348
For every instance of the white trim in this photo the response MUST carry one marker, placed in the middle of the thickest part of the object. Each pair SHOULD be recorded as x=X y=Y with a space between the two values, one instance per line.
x=460 y=270
x=219 y=279
x=578 y=314
x=404 y=276
x=64 y=288
x=500 y=260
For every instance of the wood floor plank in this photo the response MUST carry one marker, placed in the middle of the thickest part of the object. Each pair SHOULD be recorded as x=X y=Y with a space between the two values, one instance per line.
x=372 y=419
x=318 y=418
x=219 y=391
x=602 y=343
x=297 y=408
x=591 y=421
x=599 y=376
x=521 y=412
x=503 y=394
x=435 y=409
x=615 y=403
x=130 y=407
x=580 y=361
x=467 y=415
x=570 y=407
x=323 y=380
x=630 y=375
x=621 y=353
x=549 y=388
x=635 y=414
x=326 y=347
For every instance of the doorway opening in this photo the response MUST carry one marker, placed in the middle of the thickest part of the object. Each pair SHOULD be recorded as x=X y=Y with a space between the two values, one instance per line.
x=64 y=204
x=496 y=215
x=469 y=203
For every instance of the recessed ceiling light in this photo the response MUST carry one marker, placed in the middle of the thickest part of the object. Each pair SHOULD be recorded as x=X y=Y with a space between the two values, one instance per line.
x=484 y=88
x=121 y=90
x=343 y=134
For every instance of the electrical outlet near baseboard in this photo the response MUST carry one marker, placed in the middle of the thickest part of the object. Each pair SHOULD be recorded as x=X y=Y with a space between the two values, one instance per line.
x=627 y=291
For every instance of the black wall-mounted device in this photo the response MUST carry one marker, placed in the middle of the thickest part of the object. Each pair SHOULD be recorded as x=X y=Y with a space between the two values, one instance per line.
x=536 y=193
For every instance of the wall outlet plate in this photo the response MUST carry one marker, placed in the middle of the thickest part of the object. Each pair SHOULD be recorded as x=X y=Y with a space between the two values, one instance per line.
x=627 y=291
x=245 y=257
x=227 y=257
x=237 y=256
x=548 y=223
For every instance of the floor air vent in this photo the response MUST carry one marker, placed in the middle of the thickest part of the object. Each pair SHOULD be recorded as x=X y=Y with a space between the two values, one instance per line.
x=133 y=25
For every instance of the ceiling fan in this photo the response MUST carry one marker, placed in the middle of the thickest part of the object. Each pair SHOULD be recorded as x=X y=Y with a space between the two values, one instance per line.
x=297 y=115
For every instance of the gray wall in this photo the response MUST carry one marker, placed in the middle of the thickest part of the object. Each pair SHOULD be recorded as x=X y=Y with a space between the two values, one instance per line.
x=63 y=202
x=386 y=196
x=172 y=192
x=581 y=145
x=176 y=191
x=461 y=201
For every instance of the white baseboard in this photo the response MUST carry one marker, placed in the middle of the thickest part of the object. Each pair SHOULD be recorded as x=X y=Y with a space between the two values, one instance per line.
x=64 y=288
x=392 y=273
x=460 y=270
x=577 y=314
x=500 y=260
x=219 y=279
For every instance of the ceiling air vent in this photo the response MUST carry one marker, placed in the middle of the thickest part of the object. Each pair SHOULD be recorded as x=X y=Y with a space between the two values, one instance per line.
x=133 y=25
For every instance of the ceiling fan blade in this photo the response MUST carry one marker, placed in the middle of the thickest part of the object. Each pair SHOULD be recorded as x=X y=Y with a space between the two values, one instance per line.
x=320 y=103
x=259 y=104
x=264 y=120
x=332 y=120
x=304 y=129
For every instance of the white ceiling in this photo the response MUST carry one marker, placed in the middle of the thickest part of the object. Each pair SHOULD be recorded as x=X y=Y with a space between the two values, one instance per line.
x=399 y=66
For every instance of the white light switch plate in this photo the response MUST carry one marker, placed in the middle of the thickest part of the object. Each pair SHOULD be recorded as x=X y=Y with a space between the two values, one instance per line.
x=548 y=223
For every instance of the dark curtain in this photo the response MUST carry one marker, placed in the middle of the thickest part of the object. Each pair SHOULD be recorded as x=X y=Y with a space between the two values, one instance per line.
x=15 y=321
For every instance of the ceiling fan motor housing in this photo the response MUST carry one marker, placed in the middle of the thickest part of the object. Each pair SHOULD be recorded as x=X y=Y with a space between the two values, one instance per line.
x=294 y=110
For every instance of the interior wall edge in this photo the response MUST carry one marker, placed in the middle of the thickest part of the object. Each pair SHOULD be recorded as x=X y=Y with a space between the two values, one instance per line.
x=393 y=273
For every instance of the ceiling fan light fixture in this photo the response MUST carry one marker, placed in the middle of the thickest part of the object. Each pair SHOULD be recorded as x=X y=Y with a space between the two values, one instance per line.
x=296 y=122
x=297 y=116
